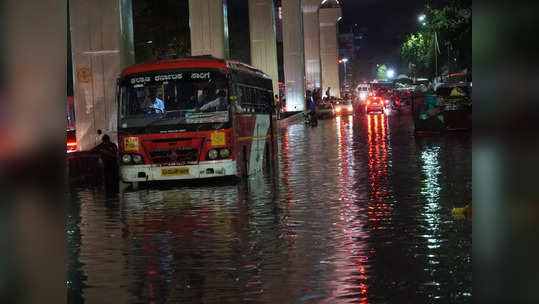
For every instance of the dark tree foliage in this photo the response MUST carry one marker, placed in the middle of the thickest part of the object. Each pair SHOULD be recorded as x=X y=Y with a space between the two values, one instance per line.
x=452 y=24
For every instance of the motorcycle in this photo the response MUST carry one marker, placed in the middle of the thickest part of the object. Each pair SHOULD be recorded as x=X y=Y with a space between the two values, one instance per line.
x=311 y=119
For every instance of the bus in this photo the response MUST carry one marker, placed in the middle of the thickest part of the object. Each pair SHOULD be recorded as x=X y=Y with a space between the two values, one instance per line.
x=195 y=118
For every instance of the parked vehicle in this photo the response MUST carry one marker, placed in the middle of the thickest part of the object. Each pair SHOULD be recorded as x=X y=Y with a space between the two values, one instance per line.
x=311 y=119
x=71 y=140
x=325 y=110
x=71 y=134
x=457 y=105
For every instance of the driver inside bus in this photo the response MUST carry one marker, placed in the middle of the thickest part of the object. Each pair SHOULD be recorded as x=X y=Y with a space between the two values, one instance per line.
x=151 y=103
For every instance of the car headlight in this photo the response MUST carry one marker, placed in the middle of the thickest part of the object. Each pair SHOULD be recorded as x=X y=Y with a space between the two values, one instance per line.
x=338 y=109
x=126 y=158
x=137 y=159
x=213 y=154
x=224 y=153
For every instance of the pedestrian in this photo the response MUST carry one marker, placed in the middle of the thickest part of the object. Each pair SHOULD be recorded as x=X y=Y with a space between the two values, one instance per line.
x=98 y=136
x=108 y=152
x=308 y=98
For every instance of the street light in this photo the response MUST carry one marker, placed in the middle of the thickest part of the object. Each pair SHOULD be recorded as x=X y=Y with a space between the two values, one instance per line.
x=390 y=73
x=344 y=61
x=421 y=17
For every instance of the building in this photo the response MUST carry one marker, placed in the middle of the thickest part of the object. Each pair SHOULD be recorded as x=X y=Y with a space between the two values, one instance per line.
x=350 y=41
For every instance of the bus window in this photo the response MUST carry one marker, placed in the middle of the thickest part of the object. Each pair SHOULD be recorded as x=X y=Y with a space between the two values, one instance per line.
x=174 y=95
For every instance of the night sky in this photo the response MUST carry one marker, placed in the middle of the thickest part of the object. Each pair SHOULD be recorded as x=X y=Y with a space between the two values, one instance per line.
x=385 y=25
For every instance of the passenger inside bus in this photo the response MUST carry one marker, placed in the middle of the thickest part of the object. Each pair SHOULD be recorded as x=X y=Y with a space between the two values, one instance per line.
x=218 y=104
x=210 y=101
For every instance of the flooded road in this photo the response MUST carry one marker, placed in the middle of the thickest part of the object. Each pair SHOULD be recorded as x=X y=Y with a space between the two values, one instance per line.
x=359 y=211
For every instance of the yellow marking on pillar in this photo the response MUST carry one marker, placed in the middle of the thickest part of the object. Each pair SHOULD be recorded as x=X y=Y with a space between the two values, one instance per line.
x=84 y=75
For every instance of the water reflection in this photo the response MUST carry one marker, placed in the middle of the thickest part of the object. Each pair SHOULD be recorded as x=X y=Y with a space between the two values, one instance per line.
x=431 y=191
x=356 y=214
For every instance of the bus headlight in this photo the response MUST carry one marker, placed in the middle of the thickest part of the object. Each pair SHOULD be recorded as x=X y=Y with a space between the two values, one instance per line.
x=213 y=154
x=137 y=159
x=224 y=153
x=126 y=158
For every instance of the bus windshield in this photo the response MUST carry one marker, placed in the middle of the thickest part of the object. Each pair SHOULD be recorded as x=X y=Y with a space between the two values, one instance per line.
x=173 y=98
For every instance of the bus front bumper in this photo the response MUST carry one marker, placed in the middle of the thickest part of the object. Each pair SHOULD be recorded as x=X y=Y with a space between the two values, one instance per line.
x=207 y=169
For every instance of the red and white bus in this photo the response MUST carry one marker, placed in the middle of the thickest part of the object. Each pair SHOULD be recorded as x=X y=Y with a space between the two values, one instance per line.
x=194 y=118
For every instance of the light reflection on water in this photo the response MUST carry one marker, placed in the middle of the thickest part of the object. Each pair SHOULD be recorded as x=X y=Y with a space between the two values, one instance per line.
x=358 y=213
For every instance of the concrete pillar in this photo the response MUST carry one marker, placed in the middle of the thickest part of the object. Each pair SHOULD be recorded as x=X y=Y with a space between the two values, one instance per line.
x=293 y=56
x=208 y=22
x=329 y=50
x=311 y=35
x=102 y=45
x=263 y=39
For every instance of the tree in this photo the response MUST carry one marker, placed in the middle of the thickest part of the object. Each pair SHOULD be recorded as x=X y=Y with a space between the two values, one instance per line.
x=453 y=28
x=417 y=51
x=381 y=72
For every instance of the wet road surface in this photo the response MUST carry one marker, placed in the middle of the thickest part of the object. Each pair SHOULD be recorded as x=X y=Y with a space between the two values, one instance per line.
x=359 y=211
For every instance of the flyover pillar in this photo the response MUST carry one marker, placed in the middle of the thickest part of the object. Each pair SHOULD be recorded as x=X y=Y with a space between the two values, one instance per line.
x=329 y=49
x=311 y=28
x=102 y=45
x=208 y=23
x=263 y=39
x=293 y=55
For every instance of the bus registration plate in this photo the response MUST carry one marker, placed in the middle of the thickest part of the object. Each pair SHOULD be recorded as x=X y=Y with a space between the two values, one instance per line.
x=174 y=171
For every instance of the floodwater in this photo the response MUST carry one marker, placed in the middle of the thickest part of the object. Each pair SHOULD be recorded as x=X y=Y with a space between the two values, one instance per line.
x=359 y=211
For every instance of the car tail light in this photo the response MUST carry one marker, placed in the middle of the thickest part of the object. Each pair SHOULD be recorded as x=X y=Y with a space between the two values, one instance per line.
x=71 y=146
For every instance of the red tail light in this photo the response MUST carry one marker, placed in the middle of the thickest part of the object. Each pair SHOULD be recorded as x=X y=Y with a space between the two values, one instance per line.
x=72 y=146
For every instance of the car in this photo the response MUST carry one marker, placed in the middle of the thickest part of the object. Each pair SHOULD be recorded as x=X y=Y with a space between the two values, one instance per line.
x=325 y=110
x=375 y=104
x=71 y=140
x=343 y=107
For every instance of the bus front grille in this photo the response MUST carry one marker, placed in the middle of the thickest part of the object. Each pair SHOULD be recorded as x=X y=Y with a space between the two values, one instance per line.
x=174 y=155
